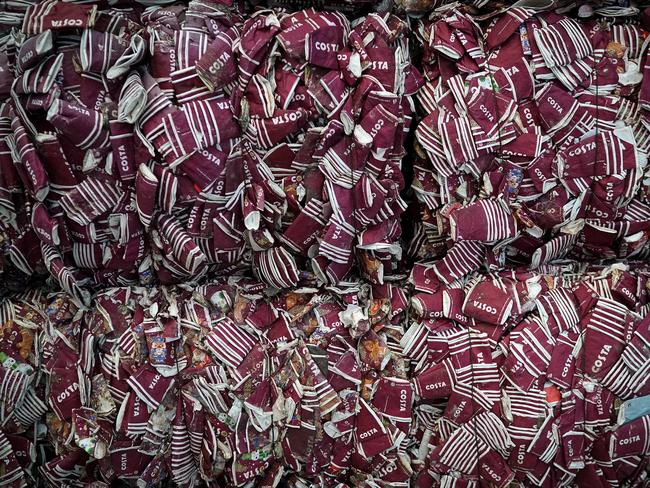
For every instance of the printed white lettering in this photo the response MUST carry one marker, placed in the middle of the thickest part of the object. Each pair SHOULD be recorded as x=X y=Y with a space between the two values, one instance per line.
x=555 y=105
x=485 y=307
x=367 y=434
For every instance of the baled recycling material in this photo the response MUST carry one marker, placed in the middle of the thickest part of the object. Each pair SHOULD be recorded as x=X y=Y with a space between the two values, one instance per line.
x=332 y=243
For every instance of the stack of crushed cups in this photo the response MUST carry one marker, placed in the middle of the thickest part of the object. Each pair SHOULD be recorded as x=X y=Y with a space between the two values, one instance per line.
x=536 y=377
x=534 y=144
x=367 y=244
x=162 y=145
